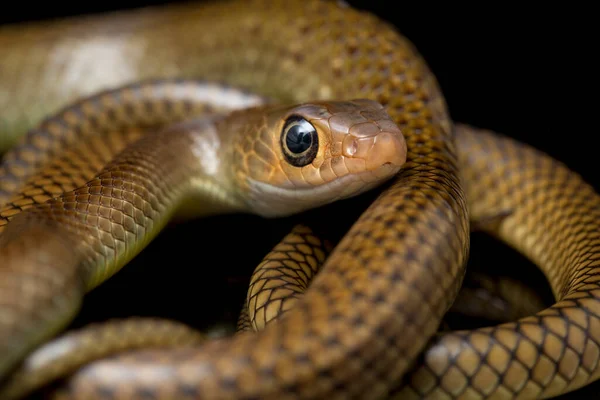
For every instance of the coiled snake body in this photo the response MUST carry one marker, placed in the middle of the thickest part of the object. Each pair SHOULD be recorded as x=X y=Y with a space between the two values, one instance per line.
x=380 y=296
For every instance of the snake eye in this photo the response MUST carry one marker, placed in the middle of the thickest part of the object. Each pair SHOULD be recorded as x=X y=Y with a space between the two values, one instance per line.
x=299 y=141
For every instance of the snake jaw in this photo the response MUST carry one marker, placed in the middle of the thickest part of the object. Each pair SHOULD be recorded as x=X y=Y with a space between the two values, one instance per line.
x=272 y=201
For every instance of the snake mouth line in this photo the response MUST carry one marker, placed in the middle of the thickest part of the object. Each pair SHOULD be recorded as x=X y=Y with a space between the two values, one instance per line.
x=273 y=201
x=368 y=177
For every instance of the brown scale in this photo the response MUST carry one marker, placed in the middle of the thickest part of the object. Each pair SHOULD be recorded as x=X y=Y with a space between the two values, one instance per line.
x=64 y=355
x=280 y=279
x=286 y=272
x=102 y=220
x=493 y=359
x=382 y=293
x=100 y=124
x=76 y=165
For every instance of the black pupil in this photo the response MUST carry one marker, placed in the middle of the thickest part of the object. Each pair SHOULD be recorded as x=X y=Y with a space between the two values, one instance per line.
x=299 y=137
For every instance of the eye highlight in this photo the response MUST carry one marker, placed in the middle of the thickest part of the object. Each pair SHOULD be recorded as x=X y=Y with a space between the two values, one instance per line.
x=299 y=141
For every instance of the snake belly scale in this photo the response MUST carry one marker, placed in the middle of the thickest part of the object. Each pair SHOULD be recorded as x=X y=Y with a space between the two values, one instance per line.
x=372 y=308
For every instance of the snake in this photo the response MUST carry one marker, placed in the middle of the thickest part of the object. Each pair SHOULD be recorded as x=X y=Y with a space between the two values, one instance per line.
x=295 y=259
x=378 y=299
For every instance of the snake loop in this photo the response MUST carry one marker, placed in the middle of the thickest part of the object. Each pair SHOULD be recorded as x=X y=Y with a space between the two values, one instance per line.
x=377 y=302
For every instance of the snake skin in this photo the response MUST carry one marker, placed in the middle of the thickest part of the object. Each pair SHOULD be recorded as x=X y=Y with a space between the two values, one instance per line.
x=372 y=309
x=283 y=276
x=110 y=218
x=67 y=150
x=64 y=355
x=503 y=350
x=60 y=151
x=554 y=217
x=490 y=362
x=140 y=106
x=278 y=281
x=288 y=269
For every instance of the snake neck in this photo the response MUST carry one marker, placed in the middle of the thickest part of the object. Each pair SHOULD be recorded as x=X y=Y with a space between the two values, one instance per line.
x=207 y=188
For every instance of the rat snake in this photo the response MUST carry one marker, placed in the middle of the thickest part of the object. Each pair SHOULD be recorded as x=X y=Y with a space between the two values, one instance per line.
x=379 y=298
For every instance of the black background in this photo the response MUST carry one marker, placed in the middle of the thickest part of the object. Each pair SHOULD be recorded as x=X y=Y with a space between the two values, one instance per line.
x=530 y=73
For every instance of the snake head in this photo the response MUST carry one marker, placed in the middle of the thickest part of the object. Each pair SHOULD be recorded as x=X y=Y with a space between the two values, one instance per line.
x=308 y=155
